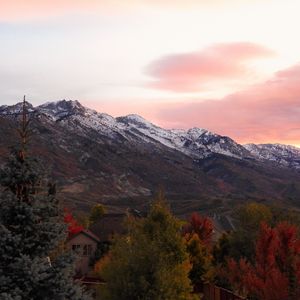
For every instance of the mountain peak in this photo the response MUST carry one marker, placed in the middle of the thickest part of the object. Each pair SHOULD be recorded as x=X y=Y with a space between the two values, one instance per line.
x=195 y=142
x=285 y=155
x=62 y=108
x=62 y=104
x=196 y=132
x=134 y=119
x=15 y=109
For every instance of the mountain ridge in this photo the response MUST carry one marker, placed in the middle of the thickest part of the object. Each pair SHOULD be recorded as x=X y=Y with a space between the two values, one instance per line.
x=195 y=142
x=123 y=161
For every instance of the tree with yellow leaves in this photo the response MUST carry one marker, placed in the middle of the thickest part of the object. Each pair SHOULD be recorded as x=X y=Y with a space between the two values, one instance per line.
x=150 y=262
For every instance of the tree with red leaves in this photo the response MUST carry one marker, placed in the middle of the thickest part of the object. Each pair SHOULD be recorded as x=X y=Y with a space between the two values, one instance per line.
x=198 y=236
x=236 y=273
x=73 y=226
x=275 y=273
x=202 y=226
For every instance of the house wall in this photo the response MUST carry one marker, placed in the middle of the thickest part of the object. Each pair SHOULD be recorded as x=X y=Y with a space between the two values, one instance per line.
x=82 y=261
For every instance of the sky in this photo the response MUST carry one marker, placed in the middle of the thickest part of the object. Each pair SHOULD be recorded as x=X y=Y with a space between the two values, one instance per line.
x=230 y=66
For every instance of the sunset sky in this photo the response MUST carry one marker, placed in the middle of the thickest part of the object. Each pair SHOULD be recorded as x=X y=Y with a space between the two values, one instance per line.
x=230 y=66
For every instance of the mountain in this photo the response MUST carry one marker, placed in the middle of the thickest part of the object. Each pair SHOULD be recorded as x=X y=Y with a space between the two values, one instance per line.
x=122 y=161
x=195 y=142
x=283 y=155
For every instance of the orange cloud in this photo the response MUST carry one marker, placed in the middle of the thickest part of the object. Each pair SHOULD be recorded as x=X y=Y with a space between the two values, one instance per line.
x=192 y=72
x=269 y=112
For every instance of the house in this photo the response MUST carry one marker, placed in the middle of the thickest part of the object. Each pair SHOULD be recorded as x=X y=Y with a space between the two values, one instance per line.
x=109 y=226
x=114 y=224
x=84 y=244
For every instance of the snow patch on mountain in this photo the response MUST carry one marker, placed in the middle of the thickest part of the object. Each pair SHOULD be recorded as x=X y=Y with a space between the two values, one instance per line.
x=284 y=155
x=61 y=109
x=195 y=142
x=15 y=109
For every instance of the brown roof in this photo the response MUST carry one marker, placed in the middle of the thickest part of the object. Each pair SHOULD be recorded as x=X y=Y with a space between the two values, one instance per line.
x=88 y=233
x=109 y=225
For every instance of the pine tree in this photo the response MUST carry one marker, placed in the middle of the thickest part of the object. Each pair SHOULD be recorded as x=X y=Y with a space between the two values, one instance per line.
x=31 y=229
x=151 y=262
x=97 y=212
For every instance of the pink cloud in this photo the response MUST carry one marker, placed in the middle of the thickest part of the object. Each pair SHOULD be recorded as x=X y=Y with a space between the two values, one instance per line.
x=189 y=72
x=20 y=10
x=262 y=113
x=268 y=112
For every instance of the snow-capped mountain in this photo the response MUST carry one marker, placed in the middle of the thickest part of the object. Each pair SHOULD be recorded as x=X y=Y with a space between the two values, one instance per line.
x=195 y=142
x=285 y=155
x=95 y=155
x=13 y=110
x=61 y=109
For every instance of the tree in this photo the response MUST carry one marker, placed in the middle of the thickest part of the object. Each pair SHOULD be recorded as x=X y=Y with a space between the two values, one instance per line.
x=201 y=260
x=274 y=275
x=202 y=226
x=198 y=235
x=150 y=262
x=251 y=215
x=73 y=226
x=87 y=220
x=31 y=228
x=96 y=214
x=241 y=242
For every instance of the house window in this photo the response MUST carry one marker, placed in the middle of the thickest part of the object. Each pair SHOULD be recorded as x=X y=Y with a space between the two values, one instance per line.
x=87 y=250
x=76 y=248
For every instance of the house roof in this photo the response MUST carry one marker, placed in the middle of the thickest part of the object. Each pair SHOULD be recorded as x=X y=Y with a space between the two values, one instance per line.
x=87 y=233
x=109 y=225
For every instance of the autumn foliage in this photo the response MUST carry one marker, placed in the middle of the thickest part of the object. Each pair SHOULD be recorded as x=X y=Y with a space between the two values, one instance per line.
x=149 y=262
x=201 y=226
x=198 y=236
x=73 y=226
x=274 y=275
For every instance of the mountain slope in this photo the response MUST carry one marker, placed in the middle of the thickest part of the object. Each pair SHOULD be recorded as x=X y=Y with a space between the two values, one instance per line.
x=283 y=155
x=122 y=161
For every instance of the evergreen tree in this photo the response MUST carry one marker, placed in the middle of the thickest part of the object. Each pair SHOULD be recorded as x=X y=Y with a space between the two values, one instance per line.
x=97 y=212
x=151 y=262
x=31 y=230
x=241 y=242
